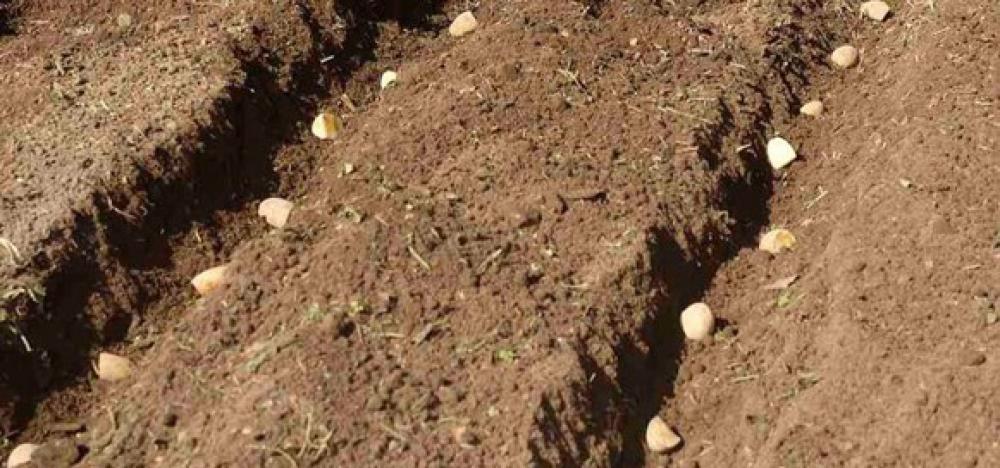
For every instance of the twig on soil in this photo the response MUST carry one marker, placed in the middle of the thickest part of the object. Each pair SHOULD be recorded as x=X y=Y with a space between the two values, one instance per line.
x=114 y=421
x=492 y=257
x=575 y=78
x=116 y=210
x=746 y=378
x=392 y=432
x=419 y=259
x=666 y=108
x=306 y=438
x=12 y=252
x=822 y=193
x=279 y=451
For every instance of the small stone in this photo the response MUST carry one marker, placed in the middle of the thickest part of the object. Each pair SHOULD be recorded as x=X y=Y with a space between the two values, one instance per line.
x=940 y=226
x=112 y=367
x=876 y=10
x=326 y=126
x=780 y=152
x=812 y=108
x=169 y=419
x=124 y=21
x=21 y=455
x=526 y=217
x=463 y=24
x=275 y=211
x=659 y=437
x=210 y=279
x=845 y=56
x=55 y=453
x=697 y=321
x=465 y=438
x=389 y=78
x=992 y=317
x=971 y=358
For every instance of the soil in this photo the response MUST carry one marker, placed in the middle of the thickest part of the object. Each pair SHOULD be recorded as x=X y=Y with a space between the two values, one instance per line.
x=486 y=266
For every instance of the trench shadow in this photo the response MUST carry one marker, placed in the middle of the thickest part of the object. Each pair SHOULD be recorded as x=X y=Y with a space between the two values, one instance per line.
x=8 y=14
x=363 y=31
x=229 y=164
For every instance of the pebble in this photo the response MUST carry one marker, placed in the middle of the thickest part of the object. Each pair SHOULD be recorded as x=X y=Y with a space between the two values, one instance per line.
x=845 y=56
x=275 y=211
x=210 y=279
x=697 y=321
x=780 y=152
x=876 y=10
x=21 y=455
x=659 y=437
x=465 y=437
x=124 y=21
x=971 y=358
x=777 y=240
x=326 y=126
x=463 y=24
x=389 y=78
x=112 y=367
x=812 y=108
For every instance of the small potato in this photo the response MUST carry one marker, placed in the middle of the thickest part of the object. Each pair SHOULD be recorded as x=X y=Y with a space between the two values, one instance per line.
x=112 y=367
x=463 y=24
x=210 y=279
x=697 y=321
x=660 y=437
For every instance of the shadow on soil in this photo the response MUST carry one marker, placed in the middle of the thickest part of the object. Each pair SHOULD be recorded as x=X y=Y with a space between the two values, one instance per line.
x=363 y=18
x=7 y=14
x=124 y=254
x=647 y=369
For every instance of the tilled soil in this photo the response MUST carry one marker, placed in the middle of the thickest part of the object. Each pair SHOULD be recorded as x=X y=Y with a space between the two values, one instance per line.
x=486 y=267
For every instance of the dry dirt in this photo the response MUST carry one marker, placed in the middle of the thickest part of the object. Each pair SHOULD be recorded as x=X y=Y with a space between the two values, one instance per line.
x=486 y=268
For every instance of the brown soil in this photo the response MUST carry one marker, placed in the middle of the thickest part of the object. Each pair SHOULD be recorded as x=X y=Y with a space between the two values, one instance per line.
x=487 y=266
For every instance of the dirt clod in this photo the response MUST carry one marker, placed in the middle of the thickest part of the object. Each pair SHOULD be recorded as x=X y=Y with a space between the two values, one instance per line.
x=971 y=358
x=465 y=437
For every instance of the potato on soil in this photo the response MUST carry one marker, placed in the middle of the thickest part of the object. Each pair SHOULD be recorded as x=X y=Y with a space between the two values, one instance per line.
x=697 y=321
x=875 y=10
x=845 y=56
x=21 y=455
x=463 y=24
x=327 y=126
x=275 y=211
x=210 y=279
x=112 y=367
x=777 y=240
x=780 y=152
x=388 y=79
x=659 y=437
x=812 y=108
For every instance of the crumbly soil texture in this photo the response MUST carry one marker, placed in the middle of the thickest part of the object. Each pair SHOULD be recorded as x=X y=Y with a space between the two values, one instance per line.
x=486 y=265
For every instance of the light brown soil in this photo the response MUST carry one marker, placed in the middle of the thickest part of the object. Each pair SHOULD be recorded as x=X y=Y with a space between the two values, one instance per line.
x=487 y=266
